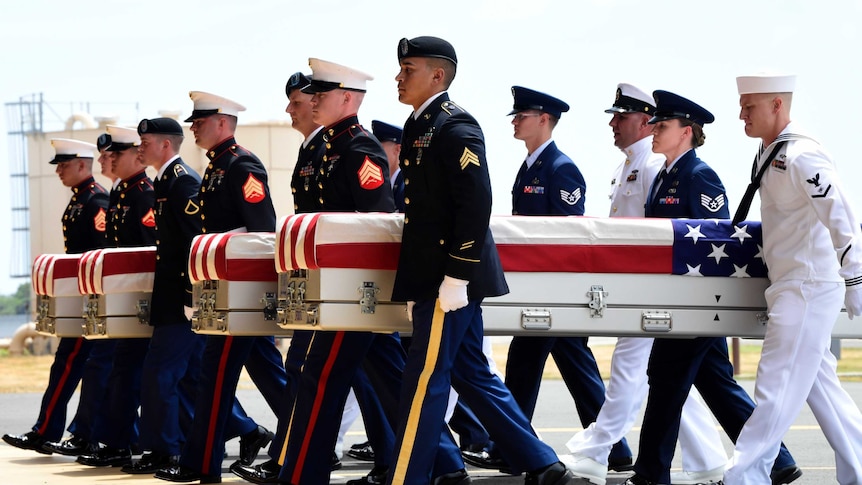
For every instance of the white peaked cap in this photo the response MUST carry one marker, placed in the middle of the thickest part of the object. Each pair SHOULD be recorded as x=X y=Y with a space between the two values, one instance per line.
x=327 y=76
x=68 y=149
x=122 y=137
x=206 y=104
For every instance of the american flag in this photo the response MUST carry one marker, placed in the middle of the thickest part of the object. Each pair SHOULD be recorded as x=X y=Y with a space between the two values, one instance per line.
x=718 y=248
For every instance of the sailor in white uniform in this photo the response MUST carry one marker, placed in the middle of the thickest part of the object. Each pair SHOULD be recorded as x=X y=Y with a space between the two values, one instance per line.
x=703 y=456
x=813 y=247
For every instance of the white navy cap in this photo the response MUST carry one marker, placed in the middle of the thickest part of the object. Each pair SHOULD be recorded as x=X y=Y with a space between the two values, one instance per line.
x=122 y=138
x=766 y=83
x=326 y=76
x=66 y=149
x=631 y=99
x=207 y=104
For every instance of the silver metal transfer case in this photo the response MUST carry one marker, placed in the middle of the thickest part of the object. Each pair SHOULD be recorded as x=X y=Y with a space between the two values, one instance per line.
x=117 y=315
x=235 y=308
x=59 y=316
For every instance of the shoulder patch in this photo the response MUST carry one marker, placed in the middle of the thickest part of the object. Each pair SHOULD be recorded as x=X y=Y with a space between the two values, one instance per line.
x=149 y=218
x=99 y=220
x=370 y=175
x=468 y=158
x=179 y=170
x=570 y=198
x=253 y=190
x=712 y=204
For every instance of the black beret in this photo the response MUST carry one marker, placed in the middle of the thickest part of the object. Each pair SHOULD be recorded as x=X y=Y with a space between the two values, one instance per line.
x=296 y=81
x=159 y=126
x=104 y=141
x=426 y=46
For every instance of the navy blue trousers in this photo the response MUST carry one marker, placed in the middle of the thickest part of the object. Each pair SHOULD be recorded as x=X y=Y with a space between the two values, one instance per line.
x=65 y=374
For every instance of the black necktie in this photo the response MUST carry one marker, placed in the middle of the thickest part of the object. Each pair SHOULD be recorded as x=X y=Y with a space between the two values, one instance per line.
x=756 y=177
x=656 y=186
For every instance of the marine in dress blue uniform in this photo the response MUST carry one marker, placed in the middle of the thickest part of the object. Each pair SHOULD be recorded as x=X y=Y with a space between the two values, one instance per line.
x=83 y=229
x=353 y=177
x=234 y=196
x=689 y=189
x=133 y=224
x=447 y=265
x=549 y=183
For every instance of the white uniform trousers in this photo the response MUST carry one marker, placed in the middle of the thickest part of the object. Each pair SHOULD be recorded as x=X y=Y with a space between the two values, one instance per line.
x=796 y=365
x=699 y=440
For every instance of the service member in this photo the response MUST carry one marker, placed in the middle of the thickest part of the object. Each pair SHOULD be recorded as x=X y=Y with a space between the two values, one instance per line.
x=133 y=225
x=172 y=364
x=83 y=229
x=811 y=244
x=354 y=177
x=390 y=138
x=703 y=456
x=234 y=196
x=686 y=187
x=549 y=183
x=447 y=265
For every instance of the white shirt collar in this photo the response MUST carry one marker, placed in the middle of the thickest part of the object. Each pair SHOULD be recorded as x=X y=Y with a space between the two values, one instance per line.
x=531 y=158
x=309 y=137
x=165 y=166
x=424 y=106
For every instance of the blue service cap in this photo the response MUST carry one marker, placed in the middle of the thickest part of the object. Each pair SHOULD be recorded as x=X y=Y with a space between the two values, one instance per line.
x=671 y=106
x=296 y=81
x=386 y=132
x=528 y=99
x=426 y=46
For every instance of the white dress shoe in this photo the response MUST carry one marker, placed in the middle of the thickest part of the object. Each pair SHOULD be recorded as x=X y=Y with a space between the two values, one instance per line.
x=586 y=468
x=697 y=478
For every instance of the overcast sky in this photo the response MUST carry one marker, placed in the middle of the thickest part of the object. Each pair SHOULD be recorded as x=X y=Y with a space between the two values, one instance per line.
x=117 y=55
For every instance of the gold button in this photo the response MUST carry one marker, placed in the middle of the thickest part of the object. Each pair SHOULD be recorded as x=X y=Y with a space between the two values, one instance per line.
x=203 y=229
x=212 y=154
x=210 y=166
x=207 y=177
x=406 y=220
x=157 y=241
x=319 y=185
x=442 y=242
x=406 y=162
x=406 y=200
x=320 y=200
x=295 y=207
x=293 y=190
x=628 y=161
x=615 y=209
x=203 y=189
x=328 y=146
x=122 y=196
x=182 y=273
x=158 y=257
x=406 y=181
x=203 y=216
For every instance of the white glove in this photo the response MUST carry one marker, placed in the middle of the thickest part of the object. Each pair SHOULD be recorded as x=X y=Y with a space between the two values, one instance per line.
x=853 y=301
x=453 y=294
x=410 y=310
x=189 y=311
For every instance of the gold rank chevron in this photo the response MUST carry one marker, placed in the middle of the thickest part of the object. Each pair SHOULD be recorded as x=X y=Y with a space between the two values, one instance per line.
x=467 y=158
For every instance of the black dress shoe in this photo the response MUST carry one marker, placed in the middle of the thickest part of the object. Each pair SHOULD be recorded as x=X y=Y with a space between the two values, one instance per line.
x=785 y=475
x=483 y=459
x=377 y=476
x=72 y=446
x=179 y=473
x=107 y=456
x=638 y=480
x=554 y=474
x=27 y=441
x=336 y=463
x=266 y=472
x=455 y=478
x=150 y=463
x=621 y=464
x=361 y=451
x=251 y=443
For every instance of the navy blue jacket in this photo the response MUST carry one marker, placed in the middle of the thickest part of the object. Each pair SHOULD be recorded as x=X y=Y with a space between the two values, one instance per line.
x=305 y=180
x=691 y=190
x=235 y=192
x=447 y=197
x=552 y=186
x=354 y=175
x=178 y=221
x=132 y=220
x=85 y=218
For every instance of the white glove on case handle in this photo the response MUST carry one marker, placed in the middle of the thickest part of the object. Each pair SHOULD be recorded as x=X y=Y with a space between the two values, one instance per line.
x=853 y=301
x=453 y=294
x=410 y=310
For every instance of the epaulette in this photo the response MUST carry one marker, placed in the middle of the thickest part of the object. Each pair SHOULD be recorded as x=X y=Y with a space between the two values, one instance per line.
x=239 y=150
x=449 y=107
x=355 y=130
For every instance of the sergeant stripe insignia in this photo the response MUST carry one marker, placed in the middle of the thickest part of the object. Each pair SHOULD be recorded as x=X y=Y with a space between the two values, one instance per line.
x=467 y=245
x=820 y=190
x=572 y=197
x=468 y=158
x=191 y=208
x=370 y=175
x=252 y=190
x=99 y=220
x=712 y=204
x=149 y=219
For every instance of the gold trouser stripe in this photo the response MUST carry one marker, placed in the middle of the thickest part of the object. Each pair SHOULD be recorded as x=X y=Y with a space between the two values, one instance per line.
x=293 y=409
x=409 y=439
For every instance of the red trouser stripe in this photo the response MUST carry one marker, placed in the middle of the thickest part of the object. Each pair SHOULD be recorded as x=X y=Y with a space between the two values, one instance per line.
x=52 y=404
x=315 y=410
x=219 y=383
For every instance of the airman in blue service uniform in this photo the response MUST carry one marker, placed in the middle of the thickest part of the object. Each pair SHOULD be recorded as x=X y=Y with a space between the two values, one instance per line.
x=234 y=196
x=688 y=188
x=549 y=183
x=354 y=177
x=133 y=224
x=447 y=265
x=170 y=369
x=390 y=138
x=83 y=229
